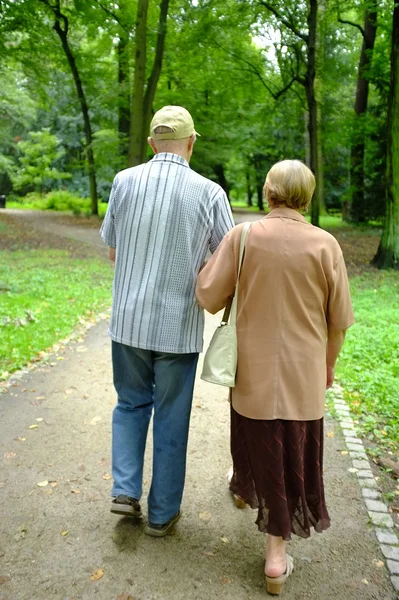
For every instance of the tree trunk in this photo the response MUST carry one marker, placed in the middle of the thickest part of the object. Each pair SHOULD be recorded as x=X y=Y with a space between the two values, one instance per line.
x=250 y=191
x=137 y=107
x=221 y=178
x=388 y=252
x=63 y=35
x=143 y=95
x=310 y=40
x=312 y=108
x=123 y=96
x=156 y=68
x=358 y=207
x=260 y=173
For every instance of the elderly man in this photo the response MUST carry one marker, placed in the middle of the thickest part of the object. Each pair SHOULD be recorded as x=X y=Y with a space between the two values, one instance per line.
x=162 y=219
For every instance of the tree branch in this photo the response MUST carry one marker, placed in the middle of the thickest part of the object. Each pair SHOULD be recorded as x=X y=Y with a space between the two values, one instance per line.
x=359 y=27
x=255 y=71
x=113 y=15
x=157 y=64
x=289 y=24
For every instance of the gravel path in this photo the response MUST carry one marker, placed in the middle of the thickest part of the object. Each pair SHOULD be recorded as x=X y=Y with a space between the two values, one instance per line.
x=55 y=537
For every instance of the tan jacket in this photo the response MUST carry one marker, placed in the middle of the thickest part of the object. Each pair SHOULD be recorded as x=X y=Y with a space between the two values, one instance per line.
x=293 y=289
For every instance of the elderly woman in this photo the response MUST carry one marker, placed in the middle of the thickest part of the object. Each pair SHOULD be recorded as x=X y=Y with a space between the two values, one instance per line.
x=293 y=310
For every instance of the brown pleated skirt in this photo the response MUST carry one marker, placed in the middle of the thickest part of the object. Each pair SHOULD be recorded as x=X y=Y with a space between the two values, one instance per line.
x=278 y=469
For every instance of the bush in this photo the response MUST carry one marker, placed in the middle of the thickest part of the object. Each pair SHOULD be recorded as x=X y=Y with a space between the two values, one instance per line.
x=62 y=200
x=59 y=200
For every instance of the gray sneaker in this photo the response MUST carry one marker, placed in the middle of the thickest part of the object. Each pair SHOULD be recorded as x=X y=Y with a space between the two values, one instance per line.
x=126 y=506
x=161 y=530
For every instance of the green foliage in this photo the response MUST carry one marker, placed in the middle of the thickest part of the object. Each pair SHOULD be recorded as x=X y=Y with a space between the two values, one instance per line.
x=43 y=295
x=59 y=200
x=62 y=200
x=243 y=56
x=35 y=161
x=368 y=366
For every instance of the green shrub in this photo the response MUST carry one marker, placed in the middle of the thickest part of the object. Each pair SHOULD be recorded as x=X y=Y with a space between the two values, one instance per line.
x=62 y=200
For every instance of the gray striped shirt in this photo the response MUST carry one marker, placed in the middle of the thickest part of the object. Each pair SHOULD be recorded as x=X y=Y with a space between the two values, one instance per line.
x=162 y=219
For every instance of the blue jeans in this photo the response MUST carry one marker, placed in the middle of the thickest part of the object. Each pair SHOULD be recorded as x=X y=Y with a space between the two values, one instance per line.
x=145 y=380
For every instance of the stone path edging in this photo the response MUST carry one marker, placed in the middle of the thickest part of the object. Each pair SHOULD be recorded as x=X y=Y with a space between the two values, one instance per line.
x=376 y=508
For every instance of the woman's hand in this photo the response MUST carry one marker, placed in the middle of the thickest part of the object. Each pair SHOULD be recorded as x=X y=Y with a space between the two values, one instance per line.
x=330 y=377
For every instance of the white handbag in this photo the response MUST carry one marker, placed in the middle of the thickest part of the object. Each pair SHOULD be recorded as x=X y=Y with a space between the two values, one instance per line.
x=220 y=360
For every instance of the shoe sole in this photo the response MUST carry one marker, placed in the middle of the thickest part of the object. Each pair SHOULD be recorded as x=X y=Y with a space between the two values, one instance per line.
x=162 y=532
x=125 y=510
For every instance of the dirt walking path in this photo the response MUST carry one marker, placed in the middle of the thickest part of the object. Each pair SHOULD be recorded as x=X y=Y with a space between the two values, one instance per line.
x=59 y=541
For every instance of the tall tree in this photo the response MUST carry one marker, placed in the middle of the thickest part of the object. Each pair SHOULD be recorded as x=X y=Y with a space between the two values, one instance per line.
x=357 y=210
x=388 y=252
x=61 y=27
x=144 y=90
x=287 y=17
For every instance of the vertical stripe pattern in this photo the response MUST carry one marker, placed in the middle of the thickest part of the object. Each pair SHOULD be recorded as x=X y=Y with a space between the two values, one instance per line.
x=162 y=218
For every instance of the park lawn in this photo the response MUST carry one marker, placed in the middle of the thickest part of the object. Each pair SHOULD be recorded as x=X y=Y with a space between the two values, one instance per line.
x=102 y=207
x=43 y=295
x=368 y=366
x=326 y=221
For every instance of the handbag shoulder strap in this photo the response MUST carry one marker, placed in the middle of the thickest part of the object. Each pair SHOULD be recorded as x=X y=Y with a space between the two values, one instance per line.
x=231 y=308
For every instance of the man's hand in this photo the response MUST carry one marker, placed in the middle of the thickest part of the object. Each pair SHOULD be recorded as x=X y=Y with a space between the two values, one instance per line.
x=330 y=377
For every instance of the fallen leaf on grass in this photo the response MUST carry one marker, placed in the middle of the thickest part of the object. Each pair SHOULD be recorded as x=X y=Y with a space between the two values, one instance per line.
x=42 y=483
x=53 y=484
x=10 y=455
x=225 y=540
x=60 y=358
x=33 y=426
x=330 y=434
x=40 y=398
x=395 y=509
x=39 y=419
x=75 y=491
x=96 y=575
x=365 y=582
x=226 y=580
x=95 y=420
x=205 y=516
x=107 y=476
x=64 y=533
x=20 y=439
x=344 y=452
x=4 y=579
x=69 y=391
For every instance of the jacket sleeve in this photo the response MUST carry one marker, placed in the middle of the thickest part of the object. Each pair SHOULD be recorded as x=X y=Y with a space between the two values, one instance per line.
x=339 y=309
x=216 y=282
x=223 y=220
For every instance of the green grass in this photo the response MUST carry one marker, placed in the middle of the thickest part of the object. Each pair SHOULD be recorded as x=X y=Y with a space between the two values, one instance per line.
x=243 y=205
x=43 y=295
x=102 y=207
x=326 y=221
x=368 y=366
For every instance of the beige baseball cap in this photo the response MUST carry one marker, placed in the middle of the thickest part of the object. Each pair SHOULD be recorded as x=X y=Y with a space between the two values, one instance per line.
x=177 y=119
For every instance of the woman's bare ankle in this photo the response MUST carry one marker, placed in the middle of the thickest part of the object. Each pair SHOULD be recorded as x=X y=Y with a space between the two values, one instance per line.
x=276 y=562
